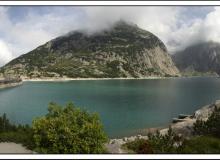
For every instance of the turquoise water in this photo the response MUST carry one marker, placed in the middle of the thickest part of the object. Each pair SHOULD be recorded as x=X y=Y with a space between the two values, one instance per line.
x=125 y=106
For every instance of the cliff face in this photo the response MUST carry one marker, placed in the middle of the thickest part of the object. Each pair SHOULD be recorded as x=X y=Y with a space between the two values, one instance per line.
x=122 y=51
x=203 y=57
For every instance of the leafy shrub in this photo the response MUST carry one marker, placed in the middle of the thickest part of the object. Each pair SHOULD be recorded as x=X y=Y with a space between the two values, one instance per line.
x=168 y=75
x=156 y=143
x=200 y=145
x=140 y=146
x=113 y=69
x=164 y=143
x=68 y=130
x=211 y=127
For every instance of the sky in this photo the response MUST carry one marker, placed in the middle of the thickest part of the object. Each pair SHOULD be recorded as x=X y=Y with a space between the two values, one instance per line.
x=23 y=28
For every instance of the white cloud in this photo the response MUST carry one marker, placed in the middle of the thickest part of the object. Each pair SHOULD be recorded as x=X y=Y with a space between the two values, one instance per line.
x=5 y=53
x=199 y=30
x=159 y=20
x=173 y=25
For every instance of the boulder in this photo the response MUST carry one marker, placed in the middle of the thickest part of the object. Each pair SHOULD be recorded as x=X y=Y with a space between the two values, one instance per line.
x=204 y=113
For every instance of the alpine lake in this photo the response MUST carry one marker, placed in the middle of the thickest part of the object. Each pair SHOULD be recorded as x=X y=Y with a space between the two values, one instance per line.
x=126 y=107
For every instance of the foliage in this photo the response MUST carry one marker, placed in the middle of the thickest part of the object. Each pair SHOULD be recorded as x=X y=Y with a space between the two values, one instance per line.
x=140 y=146
x=156 y=143
x=25 y=138
x=15 y=133
x=5 y=125
x=198 y=74
x=68 y=130
x=211 y=127
x=200 y=145
x=164 y=143
x=206 y=136
x=113 y=69
x=153 y=71
x=108 y=54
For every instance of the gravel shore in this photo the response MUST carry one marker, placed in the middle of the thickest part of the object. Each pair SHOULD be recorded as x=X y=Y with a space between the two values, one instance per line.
x=9 y=147
x=80 y=79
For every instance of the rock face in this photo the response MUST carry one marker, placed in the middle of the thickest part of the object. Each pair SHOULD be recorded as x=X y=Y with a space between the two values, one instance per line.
x=185 y=127
x=206 y=111
x=125 y=50
x=203 y=57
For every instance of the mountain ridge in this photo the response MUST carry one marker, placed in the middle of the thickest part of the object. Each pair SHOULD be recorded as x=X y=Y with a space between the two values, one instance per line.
x=201 y=58
x=125 y=50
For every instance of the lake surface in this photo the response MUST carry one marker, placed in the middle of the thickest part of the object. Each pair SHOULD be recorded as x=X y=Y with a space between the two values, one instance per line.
x=125 y=106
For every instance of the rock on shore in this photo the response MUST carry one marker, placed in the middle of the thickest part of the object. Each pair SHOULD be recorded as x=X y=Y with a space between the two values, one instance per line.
x=184 y=128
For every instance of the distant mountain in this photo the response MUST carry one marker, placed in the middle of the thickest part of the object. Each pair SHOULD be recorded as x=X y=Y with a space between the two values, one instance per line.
x=200 y=58
x=125 y=50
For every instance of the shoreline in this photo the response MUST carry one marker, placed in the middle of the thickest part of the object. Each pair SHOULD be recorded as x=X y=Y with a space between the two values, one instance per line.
x=64 y=79
x=184 y=127
x=9 y=85
x=87 y=79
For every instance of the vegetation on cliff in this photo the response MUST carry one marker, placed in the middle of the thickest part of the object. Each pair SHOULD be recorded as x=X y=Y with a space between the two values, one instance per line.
x=125 y=50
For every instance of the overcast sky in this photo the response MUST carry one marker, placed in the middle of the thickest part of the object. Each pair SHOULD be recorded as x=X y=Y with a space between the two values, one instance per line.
x=24 y=28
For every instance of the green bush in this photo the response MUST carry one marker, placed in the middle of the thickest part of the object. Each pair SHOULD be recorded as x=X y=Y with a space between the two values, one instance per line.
x=140 y=146
x=68 y=130
x=211 y=127
x=200 y=145
x=164 y=143
x=156 y=143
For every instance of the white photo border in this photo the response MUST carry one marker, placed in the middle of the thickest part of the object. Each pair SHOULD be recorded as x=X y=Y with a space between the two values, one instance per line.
x=110 y=3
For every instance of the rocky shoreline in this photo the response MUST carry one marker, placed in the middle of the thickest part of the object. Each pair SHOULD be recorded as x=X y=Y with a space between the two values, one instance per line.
x=183 y=127
x=10 y=83
x=75 y=79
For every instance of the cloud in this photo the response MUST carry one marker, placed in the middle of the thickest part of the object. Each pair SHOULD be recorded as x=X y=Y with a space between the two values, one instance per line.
x=5 y=53
x=177 y=27
x=150 y=18
x=25 y=28
x=199 y=30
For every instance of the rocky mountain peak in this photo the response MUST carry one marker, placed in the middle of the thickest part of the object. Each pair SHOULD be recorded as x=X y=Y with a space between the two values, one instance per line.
x=125 y=50
x=202 y=57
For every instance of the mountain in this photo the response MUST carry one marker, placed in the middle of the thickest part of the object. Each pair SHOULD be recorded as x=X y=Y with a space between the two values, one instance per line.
x=125 y=50
x=201 y=58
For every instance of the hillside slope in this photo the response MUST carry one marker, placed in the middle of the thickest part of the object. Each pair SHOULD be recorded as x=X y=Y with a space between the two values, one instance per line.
x=203 y=58
x=122 y=51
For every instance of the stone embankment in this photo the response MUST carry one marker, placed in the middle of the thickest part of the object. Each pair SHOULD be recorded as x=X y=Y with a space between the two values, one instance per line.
x=183 y=125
